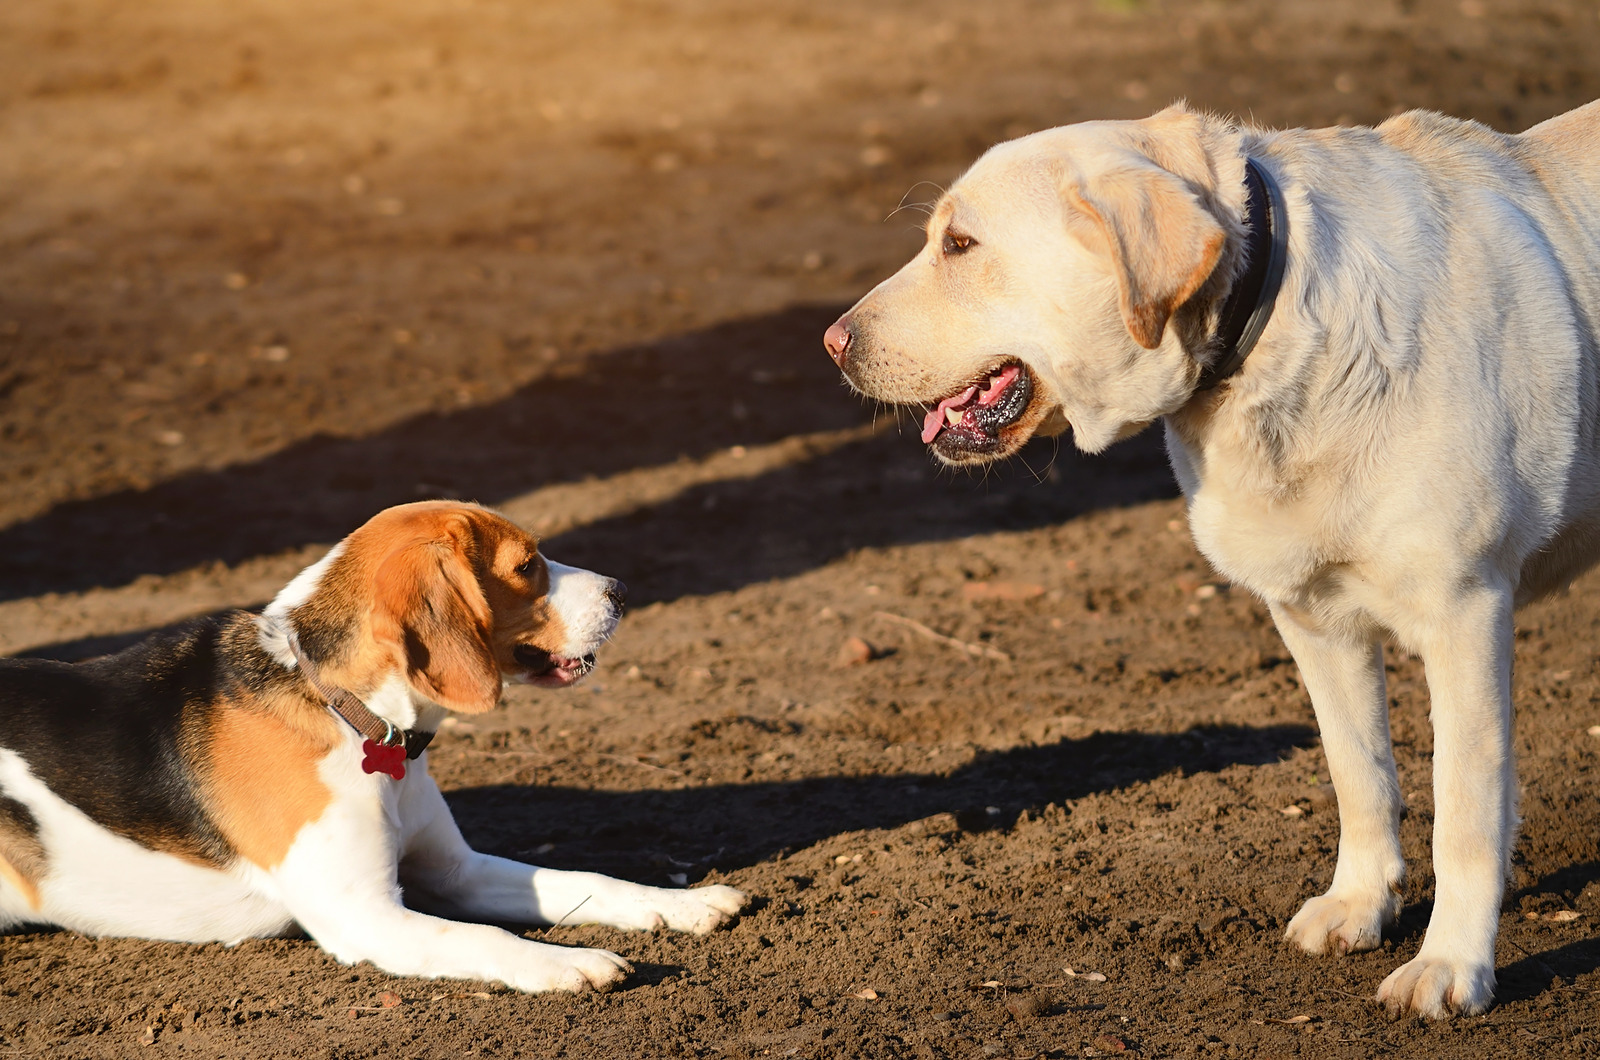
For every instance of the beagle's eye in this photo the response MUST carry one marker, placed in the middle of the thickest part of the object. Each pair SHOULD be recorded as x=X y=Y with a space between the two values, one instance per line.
x=528 y=566
x=956 y=243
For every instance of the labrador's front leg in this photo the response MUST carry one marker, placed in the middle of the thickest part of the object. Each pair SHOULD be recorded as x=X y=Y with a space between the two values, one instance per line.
x=1467 y=651
x=448 y=873
x=1343 y=672
x=338 y=881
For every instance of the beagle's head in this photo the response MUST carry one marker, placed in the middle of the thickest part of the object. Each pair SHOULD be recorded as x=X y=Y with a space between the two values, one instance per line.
x=455 y=599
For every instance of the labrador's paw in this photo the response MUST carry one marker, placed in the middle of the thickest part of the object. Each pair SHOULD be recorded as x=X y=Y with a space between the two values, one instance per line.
x=1437 y=988
x=1342 y=922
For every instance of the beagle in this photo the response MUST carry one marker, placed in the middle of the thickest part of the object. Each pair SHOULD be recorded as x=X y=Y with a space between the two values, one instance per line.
x=254 y=773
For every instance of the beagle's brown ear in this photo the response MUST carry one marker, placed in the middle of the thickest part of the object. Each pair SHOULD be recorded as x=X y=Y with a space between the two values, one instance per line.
x=430 y=607
x=1162 y=241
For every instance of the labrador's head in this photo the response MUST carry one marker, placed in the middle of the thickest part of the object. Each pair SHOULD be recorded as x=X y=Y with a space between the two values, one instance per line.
x=1066 y=281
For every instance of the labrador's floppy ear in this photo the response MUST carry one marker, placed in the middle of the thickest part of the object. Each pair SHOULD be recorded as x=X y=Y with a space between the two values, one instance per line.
x=430 y=607
x=1162 y=240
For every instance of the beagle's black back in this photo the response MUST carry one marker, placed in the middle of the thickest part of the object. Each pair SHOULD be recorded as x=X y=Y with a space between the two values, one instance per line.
x=115 y=736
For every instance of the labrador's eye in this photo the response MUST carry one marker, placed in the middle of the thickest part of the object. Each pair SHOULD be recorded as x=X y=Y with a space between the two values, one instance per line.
x=955 y=243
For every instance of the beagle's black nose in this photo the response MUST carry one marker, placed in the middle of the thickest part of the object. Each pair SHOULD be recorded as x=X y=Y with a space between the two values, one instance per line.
x=617 y=593
x=837 y=339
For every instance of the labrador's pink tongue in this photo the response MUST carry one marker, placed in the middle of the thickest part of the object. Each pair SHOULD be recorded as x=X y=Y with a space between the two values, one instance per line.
x=935 y=421
x=998 y=383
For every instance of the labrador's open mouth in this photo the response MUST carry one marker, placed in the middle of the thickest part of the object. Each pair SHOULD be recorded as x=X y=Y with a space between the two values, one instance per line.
x=971 y=423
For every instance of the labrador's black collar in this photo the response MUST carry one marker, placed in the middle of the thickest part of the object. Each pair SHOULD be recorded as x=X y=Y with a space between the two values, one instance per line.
x=1249 y=305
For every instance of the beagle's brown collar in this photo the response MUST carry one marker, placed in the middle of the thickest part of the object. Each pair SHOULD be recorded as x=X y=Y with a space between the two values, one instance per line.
x=355 y=712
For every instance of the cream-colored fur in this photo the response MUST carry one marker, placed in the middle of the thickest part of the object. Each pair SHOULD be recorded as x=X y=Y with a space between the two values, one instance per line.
x=1410 y=451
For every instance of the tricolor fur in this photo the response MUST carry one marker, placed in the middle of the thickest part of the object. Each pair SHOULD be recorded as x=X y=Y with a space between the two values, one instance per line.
x=196 y=788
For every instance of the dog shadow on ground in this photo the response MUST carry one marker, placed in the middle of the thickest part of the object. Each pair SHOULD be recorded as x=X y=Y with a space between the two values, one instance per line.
x=1537 y=972
x=646 y=835
x=649 y=835
x=722 y=536
x=747 y=383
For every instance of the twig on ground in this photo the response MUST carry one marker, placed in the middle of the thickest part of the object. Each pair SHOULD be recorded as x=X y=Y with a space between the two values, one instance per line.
x=978 y=650
x=642 y=764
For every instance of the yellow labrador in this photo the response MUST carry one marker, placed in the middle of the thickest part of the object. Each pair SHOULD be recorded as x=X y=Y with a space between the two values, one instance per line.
x=1374 y=352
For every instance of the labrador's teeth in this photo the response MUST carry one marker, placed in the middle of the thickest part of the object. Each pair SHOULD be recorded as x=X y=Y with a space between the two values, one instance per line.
x=953 y=416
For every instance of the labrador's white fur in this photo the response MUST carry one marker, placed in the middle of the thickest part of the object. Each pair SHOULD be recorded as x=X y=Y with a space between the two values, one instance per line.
x=1409 y=452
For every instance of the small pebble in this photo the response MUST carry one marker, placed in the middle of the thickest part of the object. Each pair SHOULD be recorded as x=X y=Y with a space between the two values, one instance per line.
x=1024 y=1007
x=853 y=652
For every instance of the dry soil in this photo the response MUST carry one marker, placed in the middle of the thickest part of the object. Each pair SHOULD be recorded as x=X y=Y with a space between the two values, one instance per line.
x=271 y=265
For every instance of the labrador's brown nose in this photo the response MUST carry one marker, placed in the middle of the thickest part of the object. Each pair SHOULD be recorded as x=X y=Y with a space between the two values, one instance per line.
x=837 y=339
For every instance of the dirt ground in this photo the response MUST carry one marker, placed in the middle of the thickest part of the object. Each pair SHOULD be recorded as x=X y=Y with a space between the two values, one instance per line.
x=271 y=265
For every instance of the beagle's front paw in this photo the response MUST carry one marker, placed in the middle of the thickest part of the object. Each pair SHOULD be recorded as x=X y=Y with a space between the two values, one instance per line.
x=698 y=910
x=547 y=968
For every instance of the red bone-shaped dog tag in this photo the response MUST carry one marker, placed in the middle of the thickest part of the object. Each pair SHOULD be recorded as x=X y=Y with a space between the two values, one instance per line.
x=381 y=759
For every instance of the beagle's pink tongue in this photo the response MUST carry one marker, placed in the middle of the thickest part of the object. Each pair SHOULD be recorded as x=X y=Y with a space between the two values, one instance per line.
x=935 y=421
